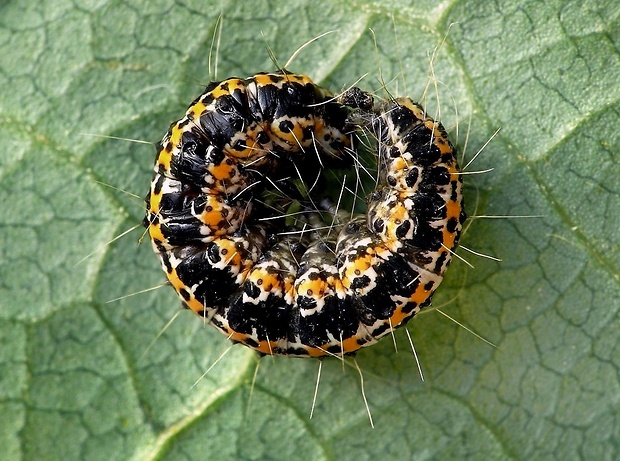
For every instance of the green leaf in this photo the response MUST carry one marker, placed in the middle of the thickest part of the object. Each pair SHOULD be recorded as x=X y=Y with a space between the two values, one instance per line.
x=81 y=378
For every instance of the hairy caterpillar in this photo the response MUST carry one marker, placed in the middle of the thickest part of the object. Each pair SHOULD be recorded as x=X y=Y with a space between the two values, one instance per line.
x=218 y=214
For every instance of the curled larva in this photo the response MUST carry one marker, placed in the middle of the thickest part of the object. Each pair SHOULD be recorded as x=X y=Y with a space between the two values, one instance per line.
x=217 y=214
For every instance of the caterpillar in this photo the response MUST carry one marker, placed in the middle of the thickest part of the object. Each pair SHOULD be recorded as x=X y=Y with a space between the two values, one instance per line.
x=218 y=214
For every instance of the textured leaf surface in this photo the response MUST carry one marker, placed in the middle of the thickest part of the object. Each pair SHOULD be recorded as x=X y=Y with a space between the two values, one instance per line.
x=81 y=378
